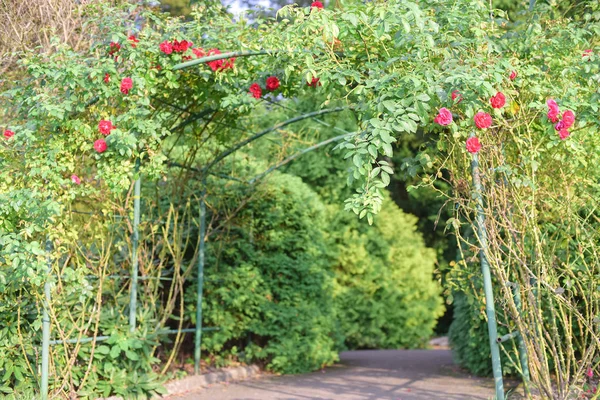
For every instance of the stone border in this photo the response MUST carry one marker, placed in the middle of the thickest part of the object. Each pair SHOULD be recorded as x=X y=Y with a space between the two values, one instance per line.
x=195 y=382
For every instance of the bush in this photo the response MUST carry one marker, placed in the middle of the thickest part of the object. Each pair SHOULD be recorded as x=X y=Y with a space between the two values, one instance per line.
x=384 y=292
x=269 y=288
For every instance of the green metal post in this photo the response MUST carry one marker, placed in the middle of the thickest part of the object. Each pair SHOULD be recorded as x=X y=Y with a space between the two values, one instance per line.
x=521 y=342
x=487 y=281
x=46 y=329
x=198 y=338
x=134 y=247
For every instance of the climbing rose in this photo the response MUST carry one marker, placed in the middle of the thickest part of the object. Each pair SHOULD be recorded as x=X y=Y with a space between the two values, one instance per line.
x=166 y=47
x=105 y=126
x=126 y=85
x=498 y=101
x=316 y=4
x=76 y=179
x=456 y=95
x=444 y=117
x=272 y=83
x=8 y=134
x=314 y=83
x=568 y=118
x=100 y=145
x=133 y=40
x=473 y=145
x=482 y=120
x=256 y=90
x=563 y=134
x=114 y=47
x=553 y=110
x=513 y=75
x=181 y=47
x=106 y=78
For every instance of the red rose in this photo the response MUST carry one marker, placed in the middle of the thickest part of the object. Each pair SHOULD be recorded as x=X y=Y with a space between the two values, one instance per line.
x=105 y=126
x=568 y=118
x=181 y=47
x=513 y=75
x=126 y=85
x=563 y=134
x=215 y=65
x=498 y=101
x=114 y=47
x=482 y=120
x=166 y=47
x=76 y=179
x=456 y=95
x=473 y=145
x=272 y=83
x=444 y=117
x=8 y=134
x=587 y=54
x=106 y=78
x=199 y=52
x=553 y=110
x=100 y=145
x=133 y=40
x=256 y=90
x=314 y=83
x=316 y=4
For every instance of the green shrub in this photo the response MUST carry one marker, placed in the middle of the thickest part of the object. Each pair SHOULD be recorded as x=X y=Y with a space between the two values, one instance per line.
x=269 y=287
x=385 y=294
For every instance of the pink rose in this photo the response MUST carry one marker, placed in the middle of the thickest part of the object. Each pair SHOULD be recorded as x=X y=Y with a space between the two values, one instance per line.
x=568 y=118
x=456 y=95
x=100 y=145
x=444 y=117
x=76 y=179
x=498 y=101
x=126 y=85
x=166 y=47
x=482 y=120
x=513 y=75
x=105 y=126
x=553 y=110
x=563 y=134
x=473 y=145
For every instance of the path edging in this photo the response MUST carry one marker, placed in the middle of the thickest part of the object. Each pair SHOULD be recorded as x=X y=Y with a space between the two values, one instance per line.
x=195 y=382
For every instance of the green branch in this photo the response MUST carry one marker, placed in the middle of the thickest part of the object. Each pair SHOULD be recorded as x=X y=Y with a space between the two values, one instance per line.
x=215 y=57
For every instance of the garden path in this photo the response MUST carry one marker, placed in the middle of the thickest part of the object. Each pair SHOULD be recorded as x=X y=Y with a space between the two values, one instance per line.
x=363 y=375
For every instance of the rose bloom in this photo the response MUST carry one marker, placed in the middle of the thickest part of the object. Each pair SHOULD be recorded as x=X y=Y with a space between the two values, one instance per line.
x=106 y=77
x=587 y=53
x=473 y=145
x=314 y=83
x=166 y=47
x=181 y=47
x=126 y=85
x=256 y=90
x=513 y=75
x=560 y=125
x=272 y=83
x=568 y=118
x=8 y=134
x=105 y=126
x=100 y=145
x=76 y=179
x=553 y=110
x=563 y=133
x=456 y=95
x=498 y=101
x=316 y=4
x=444 y=117
x=482 y=120
x=114 y=47
x=133 y=40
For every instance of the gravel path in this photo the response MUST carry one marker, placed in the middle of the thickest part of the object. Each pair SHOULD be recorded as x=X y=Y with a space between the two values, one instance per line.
x=363 y=375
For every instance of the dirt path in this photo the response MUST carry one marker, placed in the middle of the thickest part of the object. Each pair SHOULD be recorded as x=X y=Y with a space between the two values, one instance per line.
x=363 y=375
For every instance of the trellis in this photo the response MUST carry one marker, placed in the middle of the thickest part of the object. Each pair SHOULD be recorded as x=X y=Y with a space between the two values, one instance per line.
x=135 y=236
